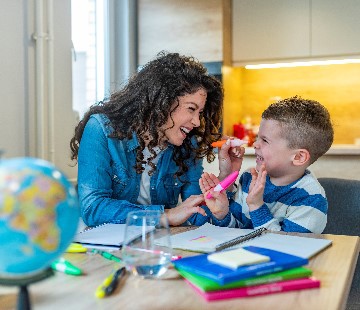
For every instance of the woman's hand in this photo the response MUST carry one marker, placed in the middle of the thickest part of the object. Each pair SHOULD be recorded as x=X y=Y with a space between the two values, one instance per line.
x=255 y=196
x=230 y=159
x=218 y=204
x=178 y=215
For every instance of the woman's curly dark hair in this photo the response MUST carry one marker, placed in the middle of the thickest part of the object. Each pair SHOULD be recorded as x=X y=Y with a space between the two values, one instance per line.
x=145 y=104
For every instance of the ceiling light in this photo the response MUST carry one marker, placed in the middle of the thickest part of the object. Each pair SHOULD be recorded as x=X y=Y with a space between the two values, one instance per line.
x=303 y=63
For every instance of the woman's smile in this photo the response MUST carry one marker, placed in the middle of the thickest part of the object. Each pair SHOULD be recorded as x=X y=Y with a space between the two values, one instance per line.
x=185 y=117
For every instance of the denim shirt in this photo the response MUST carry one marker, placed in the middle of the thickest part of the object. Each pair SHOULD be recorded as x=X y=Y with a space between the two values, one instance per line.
x=109 y=186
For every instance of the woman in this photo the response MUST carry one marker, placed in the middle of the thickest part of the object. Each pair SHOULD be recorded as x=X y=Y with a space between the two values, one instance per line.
x=143 y=148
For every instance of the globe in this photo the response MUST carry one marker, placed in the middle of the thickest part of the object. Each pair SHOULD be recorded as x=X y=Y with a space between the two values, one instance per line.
x=39 y=215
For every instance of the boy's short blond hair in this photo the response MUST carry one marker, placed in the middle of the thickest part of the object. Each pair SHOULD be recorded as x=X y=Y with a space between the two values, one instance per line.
x=305 y=123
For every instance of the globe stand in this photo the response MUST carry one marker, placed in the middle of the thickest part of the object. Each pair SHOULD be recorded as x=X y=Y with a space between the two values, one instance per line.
x=23 y=301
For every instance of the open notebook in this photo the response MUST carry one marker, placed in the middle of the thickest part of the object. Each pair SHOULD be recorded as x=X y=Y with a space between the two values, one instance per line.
x=110 y=235
x=207 y=238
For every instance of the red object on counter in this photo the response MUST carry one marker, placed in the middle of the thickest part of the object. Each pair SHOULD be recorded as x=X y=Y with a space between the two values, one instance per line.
x=251 y=137
x=239 y=130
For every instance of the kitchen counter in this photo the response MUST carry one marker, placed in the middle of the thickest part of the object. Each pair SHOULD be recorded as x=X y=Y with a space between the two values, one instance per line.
x=341 y=161
x=336 y=149
x=344 y=149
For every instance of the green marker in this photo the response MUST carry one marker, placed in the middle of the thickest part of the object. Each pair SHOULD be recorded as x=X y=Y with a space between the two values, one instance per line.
x=64 y=266
x=107 y=255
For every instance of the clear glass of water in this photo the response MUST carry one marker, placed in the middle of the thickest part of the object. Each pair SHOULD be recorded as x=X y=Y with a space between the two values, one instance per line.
x=149 y=254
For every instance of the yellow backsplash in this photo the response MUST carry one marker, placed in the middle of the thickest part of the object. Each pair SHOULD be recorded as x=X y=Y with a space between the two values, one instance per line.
x=249 y=92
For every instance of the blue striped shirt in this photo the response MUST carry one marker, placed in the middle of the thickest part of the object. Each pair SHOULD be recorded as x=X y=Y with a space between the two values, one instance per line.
x=298 y=207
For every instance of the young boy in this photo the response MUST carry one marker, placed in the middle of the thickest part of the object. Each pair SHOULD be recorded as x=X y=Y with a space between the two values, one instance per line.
x=280 y=193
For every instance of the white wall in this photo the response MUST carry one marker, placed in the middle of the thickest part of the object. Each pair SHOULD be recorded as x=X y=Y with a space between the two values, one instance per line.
x=65 y=117
x=19 y=103
x=13 y=84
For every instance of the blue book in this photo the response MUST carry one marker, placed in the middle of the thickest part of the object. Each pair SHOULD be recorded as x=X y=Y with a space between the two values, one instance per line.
x=201 y=266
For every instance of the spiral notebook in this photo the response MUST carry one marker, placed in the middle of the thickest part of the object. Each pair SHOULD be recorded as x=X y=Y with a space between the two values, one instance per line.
x=109 y=235
x=209 y=238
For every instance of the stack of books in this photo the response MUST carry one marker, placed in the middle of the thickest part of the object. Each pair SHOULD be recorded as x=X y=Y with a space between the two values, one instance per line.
x=281 y=272
x=272 y=263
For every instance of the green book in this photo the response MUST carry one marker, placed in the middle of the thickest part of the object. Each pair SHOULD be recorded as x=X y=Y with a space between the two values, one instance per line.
x=206 y=284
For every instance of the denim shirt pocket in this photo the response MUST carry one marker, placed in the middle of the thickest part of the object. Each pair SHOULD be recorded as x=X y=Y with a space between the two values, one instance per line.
x=120 y=180
x=173 y=188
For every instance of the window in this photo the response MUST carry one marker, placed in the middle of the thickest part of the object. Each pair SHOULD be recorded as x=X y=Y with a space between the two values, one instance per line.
x=89 y=32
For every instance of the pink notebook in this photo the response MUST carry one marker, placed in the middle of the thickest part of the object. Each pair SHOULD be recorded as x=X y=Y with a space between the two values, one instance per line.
x=263 y=289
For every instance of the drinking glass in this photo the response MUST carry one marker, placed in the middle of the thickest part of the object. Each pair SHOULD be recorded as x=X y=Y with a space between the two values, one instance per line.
x=149 y=254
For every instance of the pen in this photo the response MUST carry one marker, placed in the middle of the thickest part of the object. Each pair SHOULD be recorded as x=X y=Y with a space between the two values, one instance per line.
x=107 y=255
x=233 y=143
x=76 y=248
x=66 y=267
x=110 y=283
x=224 y=184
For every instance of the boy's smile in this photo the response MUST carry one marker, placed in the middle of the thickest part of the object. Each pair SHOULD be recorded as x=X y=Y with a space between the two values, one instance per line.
x=272 y=149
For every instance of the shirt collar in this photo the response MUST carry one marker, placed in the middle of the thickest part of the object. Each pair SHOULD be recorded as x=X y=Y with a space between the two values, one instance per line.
x=133 y=143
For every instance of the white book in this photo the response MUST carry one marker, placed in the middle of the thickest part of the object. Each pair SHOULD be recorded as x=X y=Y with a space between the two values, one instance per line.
x=209 y=238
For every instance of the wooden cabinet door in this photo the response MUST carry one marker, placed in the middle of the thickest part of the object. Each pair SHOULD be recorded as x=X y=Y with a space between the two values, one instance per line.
x=188 y=27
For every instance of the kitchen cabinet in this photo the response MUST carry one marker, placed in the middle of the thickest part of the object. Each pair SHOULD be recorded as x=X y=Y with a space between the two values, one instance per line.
x=335 y=27
x=285 y=30
x=272 y=29
x=188 y=27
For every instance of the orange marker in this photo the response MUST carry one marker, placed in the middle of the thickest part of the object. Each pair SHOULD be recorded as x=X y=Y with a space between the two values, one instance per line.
x=233 y=143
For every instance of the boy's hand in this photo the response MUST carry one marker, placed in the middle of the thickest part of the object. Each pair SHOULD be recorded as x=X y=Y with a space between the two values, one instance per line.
x=255 y=196
x=230 y=159
x=207 y=182
x=218 y=204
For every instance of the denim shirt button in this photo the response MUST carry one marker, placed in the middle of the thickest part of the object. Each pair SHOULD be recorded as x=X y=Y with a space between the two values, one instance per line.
x=176 y=184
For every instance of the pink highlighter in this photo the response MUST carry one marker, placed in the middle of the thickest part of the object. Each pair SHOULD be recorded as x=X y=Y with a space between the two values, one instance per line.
x=224 y=184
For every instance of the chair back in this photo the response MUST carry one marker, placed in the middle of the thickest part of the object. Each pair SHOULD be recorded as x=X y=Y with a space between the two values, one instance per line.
x=344 y=206
x=344 y=219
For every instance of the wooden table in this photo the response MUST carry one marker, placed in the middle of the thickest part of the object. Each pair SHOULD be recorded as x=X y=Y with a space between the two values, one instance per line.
x=334 y=267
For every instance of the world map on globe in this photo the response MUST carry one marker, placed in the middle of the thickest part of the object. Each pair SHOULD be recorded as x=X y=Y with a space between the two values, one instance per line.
x=39 y=215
